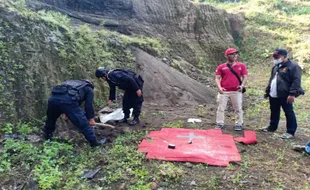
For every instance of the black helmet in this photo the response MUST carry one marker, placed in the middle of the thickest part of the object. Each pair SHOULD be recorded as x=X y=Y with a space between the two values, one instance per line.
x=101 y=71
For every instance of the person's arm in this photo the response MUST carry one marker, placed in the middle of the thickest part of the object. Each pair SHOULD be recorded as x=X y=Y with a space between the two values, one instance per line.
x=267 y=90
x=112 y=91
x=244 y=75
x=296 y=80
x=218 y=81
x=218 y=84
x=244 y=79
x=89 y=98
x=218 y=78
x=132 y=82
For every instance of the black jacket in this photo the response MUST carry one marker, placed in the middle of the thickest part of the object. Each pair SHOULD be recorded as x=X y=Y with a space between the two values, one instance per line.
x=125 y=80
x=288 y=79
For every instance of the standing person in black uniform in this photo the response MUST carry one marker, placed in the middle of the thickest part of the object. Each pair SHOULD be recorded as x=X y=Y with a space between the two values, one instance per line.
x=66 y=99
x=131 y=83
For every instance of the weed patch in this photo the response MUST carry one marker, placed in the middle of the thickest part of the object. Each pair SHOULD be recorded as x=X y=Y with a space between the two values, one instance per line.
x=178 y=124
x=125 y=164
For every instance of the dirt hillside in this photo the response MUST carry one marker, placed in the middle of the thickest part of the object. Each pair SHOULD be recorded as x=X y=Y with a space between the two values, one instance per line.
x=198 y=33
x=167 y=86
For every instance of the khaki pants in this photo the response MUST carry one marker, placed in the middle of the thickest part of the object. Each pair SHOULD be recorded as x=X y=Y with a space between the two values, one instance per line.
x=236 y=101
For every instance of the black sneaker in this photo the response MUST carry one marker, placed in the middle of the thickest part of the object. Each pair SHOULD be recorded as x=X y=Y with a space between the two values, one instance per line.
x=135 y=121
x=266 y=129
x=48 y=136
x=99 y=143
x=219 y=126
x=124 y=120
x=238 y=128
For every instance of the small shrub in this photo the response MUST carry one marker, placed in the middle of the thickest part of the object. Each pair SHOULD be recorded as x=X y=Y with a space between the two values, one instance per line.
x=7 y=128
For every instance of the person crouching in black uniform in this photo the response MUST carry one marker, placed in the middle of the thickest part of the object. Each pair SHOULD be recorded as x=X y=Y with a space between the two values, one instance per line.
x=132 y=84
x=66 y=98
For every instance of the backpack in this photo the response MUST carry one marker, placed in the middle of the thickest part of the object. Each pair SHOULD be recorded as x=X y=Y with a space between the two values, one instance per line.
x=73 y=88
x=138 y=78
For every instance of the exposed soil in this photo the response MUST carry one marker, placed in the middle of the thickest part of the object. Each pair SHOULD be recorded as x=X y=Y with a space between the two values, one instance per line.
x=270 y=164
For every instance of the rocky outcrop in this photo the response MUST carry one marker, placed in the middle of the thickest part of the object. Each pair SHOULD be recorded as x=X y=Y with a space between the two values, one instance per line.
x=166 y=86
x=237 y=23
x=198 y=33
x=36 y=55
x=40 y=50
x=29 y=65
x=37 y=51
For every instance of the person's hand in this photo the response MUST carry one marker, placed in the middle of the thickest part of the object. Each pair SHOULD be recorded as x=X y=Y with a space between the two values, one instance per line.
x=139 y=93
x=92 y=122
x=222 y=90
x=109 y=102
x=290 y=99
x=239 y=88
x=266 y=96
x=64 y=116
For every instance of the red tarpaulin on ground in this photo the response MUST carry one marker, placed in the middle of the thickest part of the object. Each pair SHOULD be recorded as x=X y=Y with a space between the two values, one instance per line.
x=249 y=138
x=207 y=146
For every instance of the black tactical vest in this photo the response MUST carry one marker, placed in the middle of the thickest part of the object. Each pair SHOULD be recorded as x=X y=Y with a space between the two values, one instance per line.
x=138 y=78
x=74 y=88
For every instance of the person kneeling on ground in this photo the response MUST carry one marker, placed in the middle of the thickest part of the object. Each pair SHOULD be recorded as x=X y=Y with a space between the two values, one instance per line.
x=131 y=83
x=66 y=99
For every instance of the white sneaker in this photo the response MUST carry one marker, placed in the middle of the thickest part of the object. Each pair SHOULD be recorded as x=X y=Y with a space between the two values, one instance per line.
x=286 y=136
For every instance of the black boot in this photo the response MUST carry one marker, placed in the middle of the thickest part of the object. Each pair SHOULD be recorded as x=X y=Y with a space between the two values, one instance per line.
x=48 y=136
x=99 y=143
x=124 y=120
x=135 y=121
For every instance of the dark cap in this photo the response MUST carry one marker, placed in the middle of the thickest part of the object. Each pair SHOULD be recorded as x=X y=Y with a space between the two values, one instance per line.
x=278 y=52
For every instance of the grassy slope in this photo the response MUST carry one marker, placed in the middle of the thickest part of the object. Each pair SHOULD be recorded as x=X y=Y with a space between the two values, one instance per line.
x=57 y=165
x=272 y=24
x=76 y=50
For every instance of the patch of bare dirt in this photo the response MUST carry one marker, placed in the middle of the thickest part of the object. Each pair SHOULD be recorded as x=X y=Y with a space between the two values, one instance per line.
x=269 y=164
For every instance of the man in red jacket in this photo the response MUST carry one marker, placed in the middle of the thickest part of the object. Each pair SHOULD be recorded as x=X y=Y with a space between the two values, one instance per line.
x=230 y=87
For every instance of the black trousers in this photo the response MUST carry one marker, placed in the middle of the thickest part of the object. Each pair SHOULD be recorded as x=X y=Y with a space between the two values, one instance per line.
x=63 y=104
x=131 y=100
x=275 y=108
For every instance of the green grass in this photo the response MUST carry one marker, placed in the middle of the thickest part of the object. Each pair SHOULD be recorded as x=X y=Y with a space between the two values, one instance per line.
x=58 y=165
x=178 y=124
x=18 y=128
x=53 y=165
x=271 y=24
